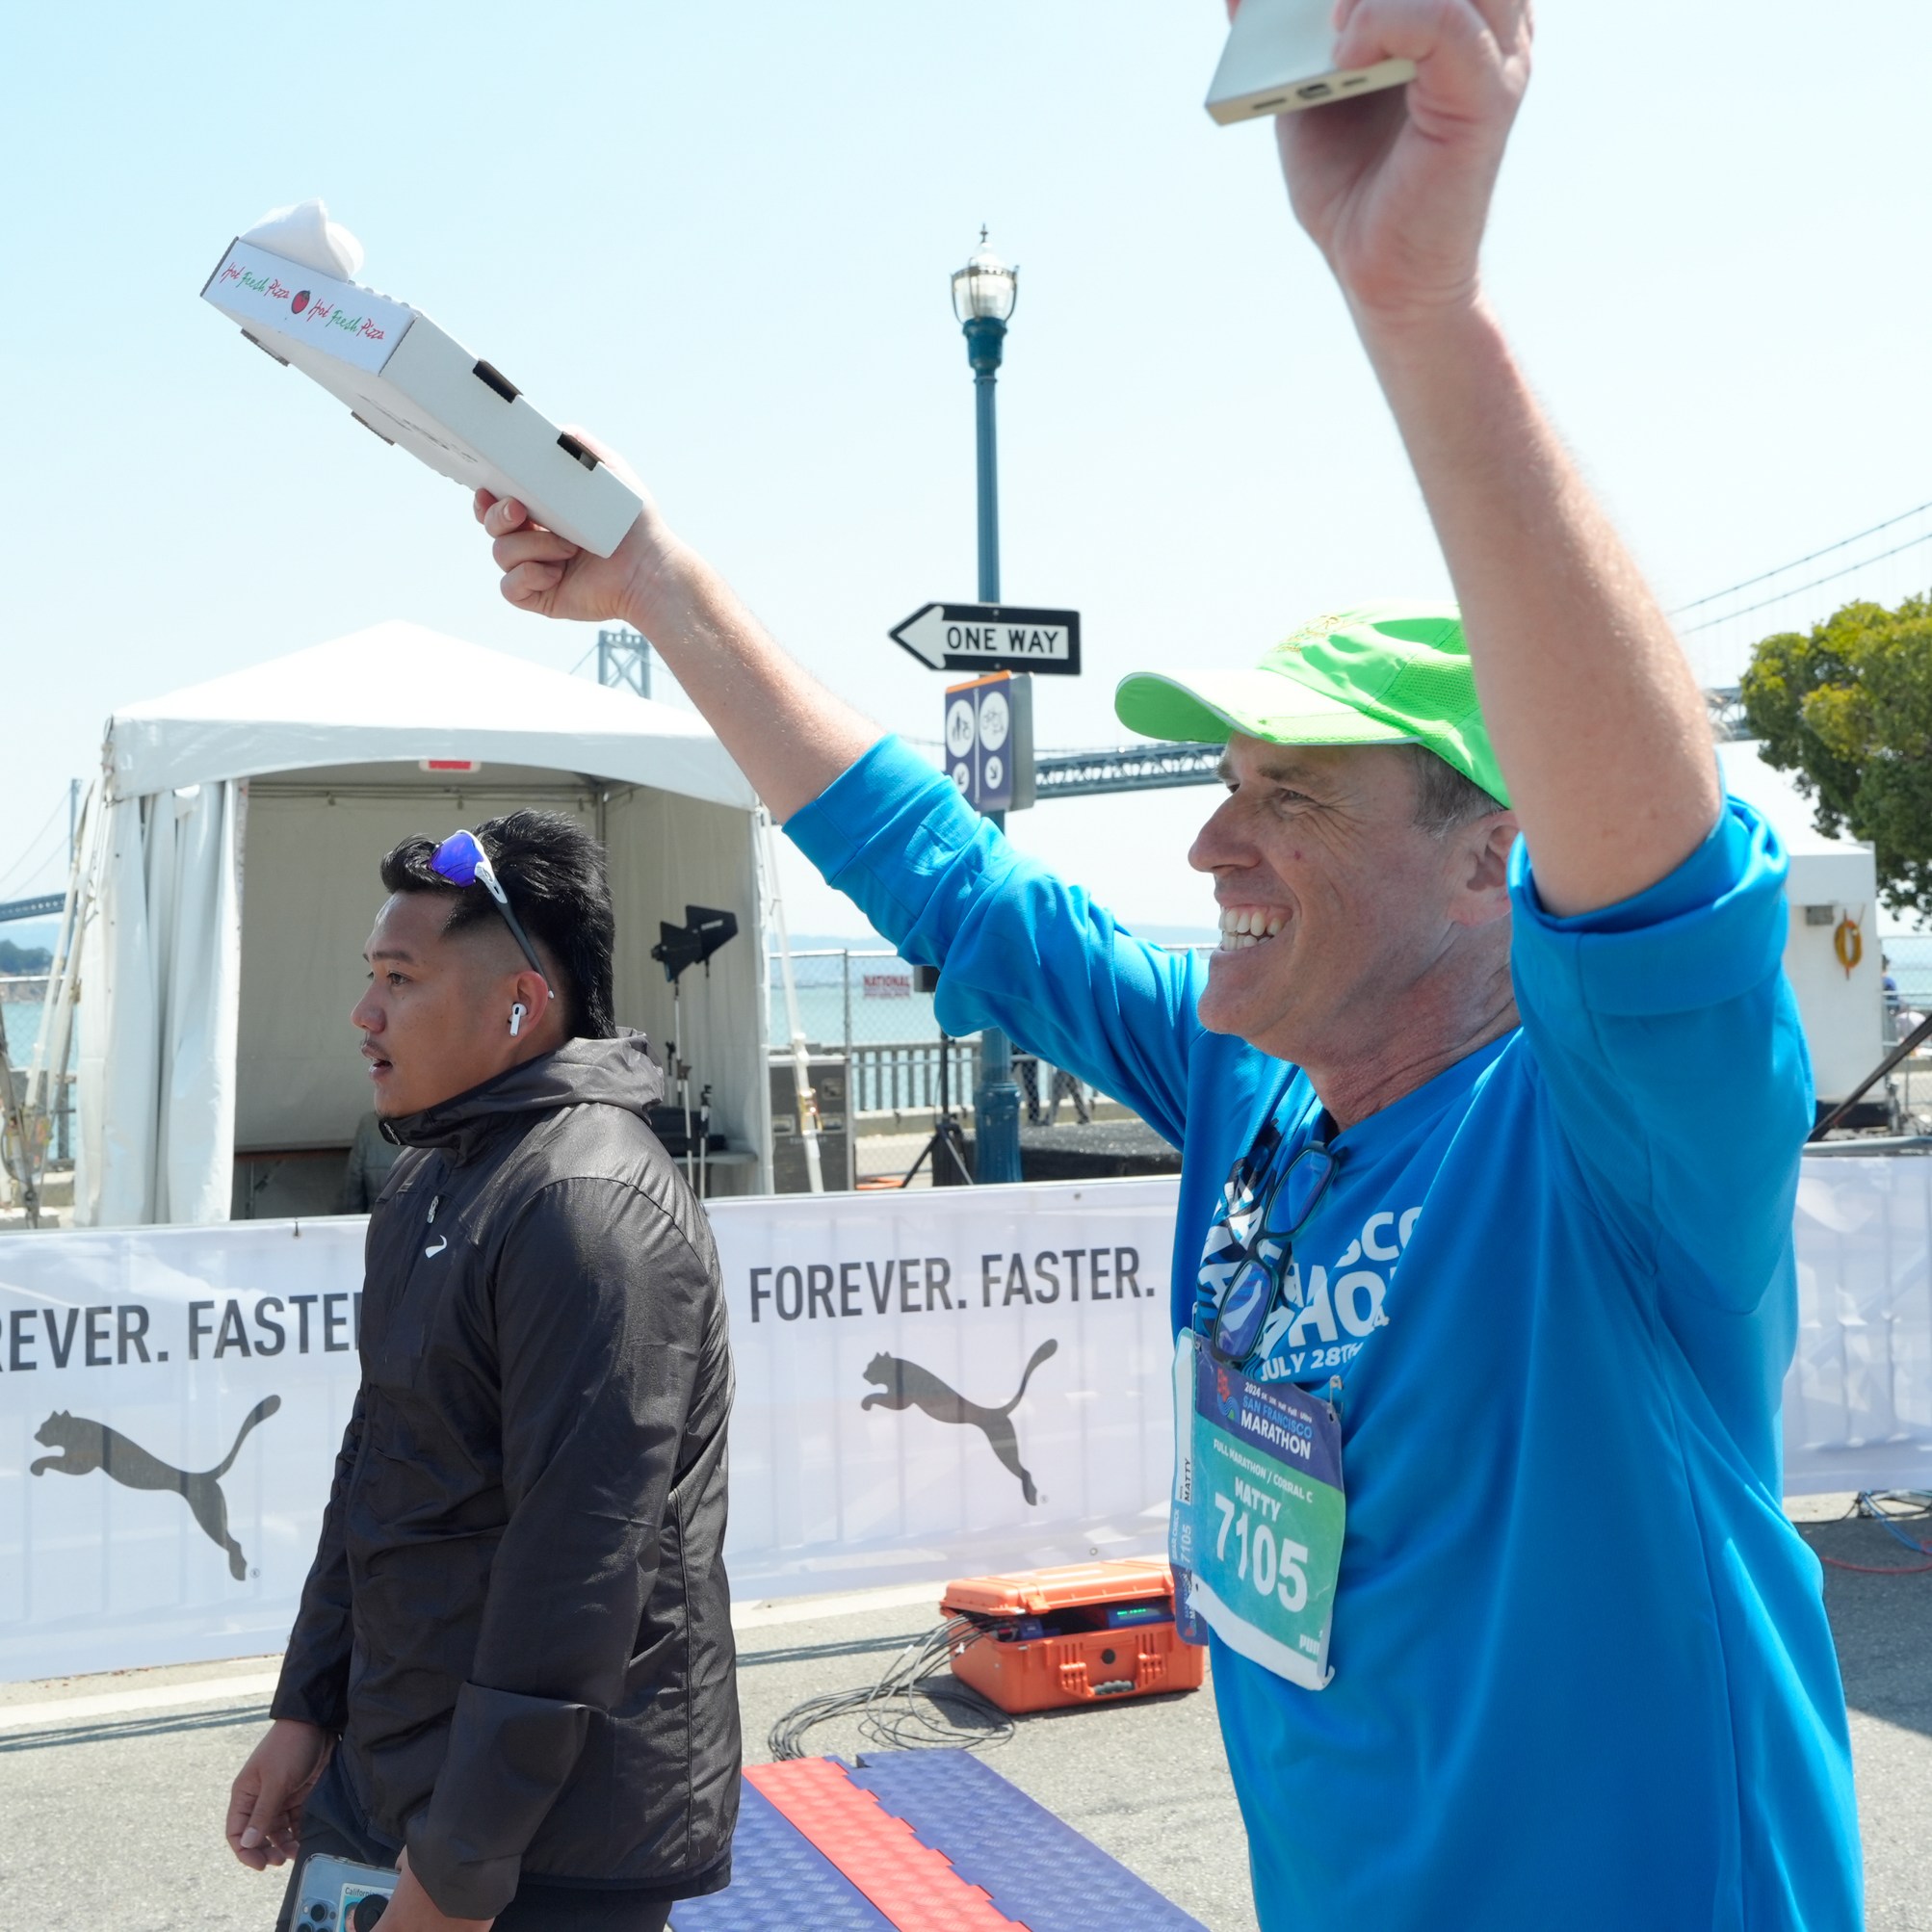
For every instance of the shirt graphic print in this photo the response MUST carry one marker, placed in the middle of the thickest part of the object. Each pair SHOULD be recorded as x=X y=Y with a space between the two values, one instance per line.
x=1324 y=1313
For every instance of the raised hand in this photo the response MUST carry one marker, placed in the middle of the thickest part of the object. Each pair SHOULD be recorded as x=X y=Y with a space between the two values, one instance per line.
x=1596 y=717
x=547 y=574
x=1394 y=188
x=789 y=736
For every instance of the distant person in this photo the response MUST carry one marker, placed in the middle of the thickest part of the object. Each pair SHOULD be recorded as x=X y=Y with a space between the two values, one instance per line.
x=1490 y=1144
x=370 y=1155
x=513 y=1666
x=1061 y=1083
x=1027 y=1072
x=1066 y=1085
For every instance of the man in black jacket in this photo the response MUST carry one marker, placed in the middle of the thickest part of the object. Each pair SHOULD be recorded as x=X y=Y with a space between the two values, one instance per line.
x=513 y=1665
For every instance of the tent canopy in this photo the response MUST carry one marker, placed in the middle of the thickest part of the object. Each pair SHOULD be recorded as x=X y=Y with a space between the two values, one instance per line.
x=400 y=692
x=230 y=874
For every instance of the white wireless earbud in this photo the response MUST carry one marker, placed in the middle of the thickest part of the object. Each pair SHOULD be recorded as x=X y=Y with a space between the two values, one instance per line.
x=516 y=1013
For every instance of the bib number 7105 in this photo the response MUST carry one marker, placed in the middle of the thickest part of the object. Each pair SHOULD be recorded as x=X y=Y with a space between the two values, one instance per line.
x=1270 y=1565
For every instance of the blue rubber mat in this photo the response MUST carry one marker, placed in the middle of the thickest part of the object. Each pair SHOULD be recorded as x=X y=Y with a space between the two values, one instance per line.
x=780 y=1881
x=1034 y=1867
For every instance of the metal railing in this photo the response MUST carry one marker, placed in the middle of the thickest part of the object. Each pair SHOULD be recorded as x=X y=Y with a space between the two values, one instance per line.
x=903 y=1076
x=861 y=1005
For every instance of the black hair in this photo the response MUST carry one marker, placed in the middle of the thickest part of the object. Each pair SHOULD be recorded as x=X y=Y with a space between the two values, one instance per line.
x=553 y=873
x=1444 y=798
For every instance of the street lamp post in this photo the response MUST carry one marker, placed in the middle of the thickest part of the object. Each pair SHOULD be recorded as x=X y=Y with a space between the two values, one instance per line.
x=983 y=294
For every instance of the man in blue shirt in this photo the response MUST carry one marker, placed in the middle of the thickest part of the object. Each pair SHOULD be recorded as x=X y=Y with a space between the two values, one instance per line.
x=1490 y=1144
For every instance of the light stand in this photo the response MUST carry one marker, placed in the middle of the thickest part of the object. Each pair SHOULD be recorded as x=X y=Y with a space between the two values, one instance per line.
x=704 y=931
x=946 y=1139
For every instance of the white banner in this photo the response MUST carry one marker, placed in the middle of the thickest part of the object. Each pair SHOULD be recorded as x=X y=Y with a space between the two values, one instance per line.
x=170 y=1404
x=1858 y=1400
x=928 y=1385
x=941 y=1384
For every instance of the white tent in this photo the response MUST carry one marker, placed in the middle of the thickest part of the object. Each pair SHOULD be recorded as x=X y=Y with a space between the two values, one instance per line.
x=231 y=876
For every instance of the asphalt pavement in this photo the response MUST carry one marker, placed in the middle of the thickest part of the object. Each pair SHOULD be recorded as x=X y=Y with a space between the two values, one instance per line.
x=112 y=1789
x=1883 y=1627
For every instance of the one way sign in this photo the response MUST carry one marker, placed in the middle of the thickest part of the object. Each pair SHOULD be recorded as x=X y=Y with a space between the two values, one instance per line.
x=992 y=638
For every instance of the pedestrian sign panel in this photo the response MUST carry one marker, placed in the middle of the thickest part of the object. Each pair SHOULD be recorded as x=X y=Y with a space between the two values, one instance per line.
x=989 y=741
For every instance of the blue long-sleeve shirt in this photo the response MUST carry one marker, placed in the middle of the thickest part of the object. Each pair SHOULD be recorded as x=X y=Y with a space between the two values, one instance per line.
x=1582 y=1673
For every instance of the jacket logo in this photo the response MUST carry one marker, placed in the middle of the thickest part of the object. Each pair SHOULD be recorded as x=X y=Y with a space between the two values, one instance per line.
x=431 y=1253
x=85 y=1445
x=905 y=1385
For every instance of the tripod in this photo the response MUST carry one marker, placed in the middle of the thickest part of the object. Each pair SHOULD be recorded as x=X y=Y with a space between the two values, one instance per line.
x=678 y=1072
x=704 y=931
x=947 y=1137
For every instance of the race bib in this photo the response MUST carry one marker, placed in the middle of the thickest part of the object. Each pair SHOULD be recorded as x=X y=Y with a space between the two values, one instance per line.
x=1255 y=1537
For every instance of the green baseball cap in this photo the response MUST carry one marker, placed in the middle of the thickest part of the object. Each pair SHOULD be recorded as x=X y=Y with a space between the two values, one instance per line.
x=1384 y=674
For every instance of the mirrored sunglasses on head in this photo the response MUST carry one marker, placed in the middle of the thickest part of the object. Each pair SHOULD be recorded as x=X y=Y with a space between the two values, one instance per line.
x=461 y=861
x=1255 y=1291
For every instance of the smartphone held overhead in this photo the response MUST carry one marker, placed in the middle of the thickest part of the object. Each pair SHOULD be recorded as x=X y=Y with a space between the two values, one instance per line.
x=1280 y=57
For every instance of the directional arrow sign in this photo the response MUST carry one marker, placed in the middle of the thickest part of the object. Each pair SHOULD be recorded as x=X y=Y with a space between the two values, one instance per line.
x=993 y=637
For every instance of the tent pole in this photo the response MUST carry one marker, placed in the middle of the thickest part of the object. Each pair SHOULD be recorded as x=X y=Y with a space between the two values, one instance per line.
x=802 y=1060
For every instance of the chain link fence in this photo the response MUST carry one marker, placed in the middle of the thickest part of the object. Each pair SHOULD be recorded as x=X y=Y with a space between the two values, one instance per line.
x=863 y=1007
x=20 y=1009
x=1908 y=965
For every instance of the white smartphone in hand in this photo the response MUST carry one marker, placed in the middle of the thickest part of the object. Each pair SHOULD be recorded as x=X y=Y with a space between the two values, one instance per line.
x=1280 y=57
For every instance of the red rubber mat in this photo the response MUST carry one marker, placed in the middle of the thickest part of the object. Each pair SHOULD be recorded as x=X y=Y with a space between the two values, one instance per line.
x=915 y=1887
x=779 y=1882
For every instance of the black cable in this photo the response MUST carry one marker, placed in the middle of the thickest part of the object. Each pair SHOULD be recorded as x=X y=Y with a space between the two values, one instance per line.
x=915 y=1704
x=1870 y=1506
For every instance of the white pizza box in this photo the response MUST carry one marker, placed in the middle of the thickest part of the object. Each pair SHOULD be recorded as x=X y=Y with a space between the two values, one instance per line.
x=422 y=390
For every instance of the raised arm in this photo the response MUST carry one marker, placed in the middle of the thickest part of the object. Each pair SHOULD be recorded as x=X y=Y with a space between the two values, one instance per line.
x=789 y=735
x=1596 y=717
x=1117 y=1012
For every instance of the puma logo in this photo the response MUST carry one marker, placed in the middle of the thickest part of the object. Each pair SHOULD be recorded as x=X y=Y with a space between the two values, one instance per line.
x=906 y=1385
x=87 y=1446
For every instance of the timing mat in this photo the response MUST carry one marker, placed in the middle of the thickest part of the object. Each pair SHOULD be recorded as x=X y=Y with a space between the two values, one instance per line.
x=920 y=1841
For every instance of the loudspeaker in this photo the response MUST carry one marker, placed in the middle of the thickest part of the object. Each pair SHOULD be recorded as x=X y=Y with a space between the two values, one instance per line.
x=789 y=1172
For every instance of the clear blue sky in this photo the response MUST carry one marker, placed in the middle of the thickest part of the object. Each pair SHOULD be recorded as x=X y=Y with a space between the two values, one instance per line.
x=722 y=236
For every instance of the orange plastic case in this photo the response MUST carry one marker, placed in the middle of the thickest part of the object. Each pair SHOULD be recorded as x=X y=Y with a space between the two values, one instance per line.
x=1083 y=1634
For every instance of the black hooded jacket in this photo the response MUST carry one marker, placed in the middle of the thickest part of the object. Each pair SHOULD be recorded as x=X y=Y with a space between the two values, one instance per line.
x=518 y=1619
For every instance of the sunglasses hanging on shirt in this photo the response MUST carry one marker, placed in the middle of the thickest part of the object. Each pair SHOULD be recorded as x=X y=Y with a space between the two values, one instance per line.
x=1256 y=1290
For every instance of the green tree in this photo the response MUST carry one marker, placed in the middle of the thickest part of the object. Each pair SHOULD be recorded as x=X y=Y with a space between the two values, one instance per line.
x=1847 y=708
x=23 y=959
